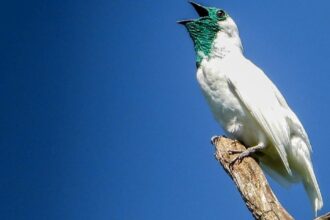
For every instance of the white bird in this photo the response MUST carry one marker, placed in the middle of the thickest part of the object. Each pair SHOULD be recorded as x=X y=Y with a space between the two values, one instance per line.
x=247 y=104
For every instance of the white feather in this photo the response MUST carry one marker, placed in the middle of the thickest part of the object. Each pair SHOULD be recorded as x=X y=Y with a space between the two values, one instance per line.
x=252 y=110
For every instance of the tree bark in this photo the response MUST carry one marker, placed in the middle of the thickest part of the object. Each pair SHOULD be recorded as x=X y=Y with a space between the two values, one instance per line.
x=324 y=217
x=250 y=181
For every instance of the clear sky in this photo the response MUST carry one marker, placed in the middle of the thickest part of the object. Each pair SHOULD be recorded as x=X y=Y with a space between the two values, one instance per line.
x=102 y=117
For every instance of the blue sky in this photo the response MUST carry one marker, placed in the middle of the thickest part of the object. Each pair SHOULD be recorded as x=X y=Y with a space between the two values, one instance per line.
x=102 y=117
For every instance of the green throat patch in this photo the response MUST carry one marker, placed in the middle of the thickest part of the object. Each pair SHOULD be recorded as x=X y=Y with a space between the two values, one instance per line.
x=203 y=32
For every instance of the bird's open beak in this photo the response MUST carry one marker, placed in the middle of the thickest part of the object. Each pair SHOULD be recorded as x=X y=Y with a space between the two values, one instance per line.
x=201 y=11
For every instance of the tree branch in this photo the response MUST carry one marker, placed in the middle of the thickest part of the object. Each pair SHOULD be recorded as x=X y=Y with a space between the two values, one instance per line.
x=250 y=181
x=324 y=217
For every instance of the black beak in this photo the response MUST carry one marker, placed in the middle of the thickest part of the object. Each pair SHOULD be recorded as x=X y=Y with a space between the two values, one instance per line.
x=184 y=22
x=201 y=11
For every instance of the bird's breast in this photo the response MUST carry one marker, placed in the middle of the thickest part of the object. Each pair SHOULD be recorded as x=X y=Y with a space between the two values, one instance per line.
x=223 y=103
x=226 y=108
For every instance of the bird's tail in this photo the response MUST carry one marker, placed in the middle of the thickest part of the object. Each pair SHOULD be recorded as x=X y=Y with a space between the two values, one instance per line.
x=312 y=187
x=299 y=154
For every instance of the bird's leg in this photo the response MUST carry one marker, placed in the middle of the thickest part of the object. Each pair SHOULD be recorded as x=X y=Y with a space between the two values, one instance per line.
x=247 y=152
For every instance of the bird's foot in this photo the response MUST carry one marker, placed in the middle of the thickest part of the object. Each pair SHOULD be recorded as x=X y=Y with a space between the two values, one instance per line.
x=232 y=152
x=240 y=157
x=245 y=153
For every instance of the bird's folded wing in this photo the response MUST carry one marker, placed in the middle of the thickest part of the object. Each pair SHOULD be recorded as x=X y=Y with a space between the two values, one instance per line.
x=296 y=127
x=256 y=95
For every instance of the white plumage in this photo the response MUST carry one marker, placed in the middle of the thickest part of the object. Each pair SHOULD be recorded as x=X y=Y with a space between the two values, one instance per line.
x=251 y=109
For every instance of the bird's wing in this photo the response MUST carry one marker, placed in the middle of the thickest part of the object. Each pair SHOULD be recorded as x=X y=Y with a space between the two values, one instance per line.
x=296 y=127
x=256 y=94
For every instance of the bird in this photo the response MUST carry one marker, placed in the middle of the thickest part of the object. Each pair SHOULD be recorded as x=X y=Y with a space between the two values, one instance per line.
x=247 y=104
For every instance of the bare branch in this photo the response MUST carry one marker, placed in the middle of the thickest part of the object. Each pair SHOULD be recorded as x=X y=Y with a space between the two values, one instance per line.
x=250 y=181
x=324 y=217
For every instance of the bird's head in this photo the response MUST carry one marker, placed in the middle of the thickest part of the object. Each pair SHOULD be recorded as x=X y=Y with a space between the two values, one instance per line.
x=205 y=29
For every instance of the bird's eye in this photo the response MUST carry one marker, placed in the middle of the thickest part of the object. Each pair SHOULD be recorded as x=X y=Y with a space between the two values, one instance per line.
x=221 y=14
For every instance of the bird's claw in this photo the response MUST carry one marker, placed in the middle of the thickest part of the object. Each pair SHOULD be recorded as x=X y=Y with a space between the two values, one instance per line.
x=231 y=152
x=237 y=159
x=240 y=157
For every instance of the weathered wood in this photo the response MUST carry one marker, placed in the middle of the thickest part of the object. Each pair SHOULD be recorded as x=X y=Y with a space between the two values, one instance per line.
x=324 y=217
x=250 y=181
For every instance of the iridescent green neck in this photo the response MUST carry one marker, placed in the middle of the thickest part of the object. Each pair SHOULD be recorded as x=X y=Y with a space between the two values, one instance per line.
x=203 y=33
